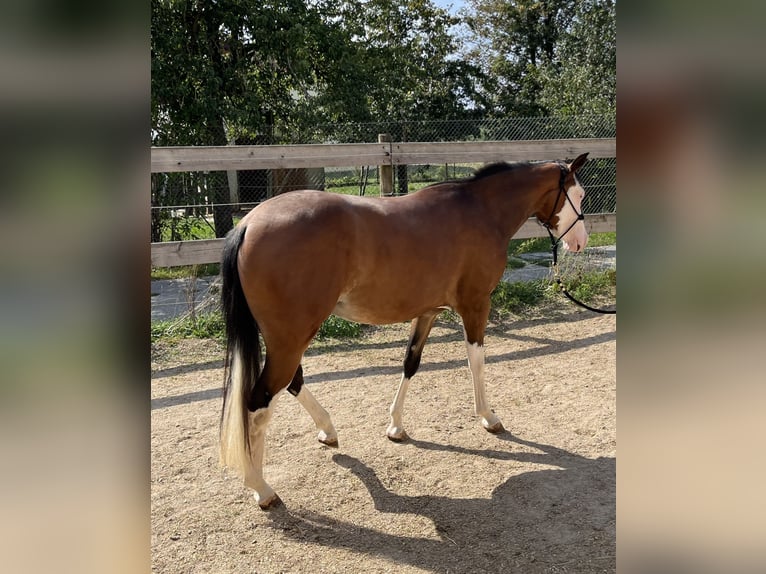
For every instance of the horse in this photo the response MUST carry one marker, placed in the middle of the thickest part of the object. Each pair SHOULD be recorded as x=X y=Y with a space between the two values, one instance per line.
x=299 y=257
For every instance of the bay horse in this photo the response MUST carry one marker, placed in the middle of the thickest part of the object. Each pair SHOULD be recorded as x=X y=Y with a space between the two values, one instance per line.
x=301 y=256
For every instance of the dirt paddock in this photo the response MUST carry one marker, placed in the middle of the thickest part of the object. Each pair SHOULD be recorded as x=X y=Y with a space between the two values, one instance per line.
x=453 y=499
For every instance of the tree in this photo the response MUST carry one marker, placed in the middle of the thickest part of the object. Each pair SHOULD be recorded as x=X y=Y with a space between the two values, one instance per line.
x=410 y=53
x=513 y=42
x=412 y=57
x=544 y=57
x=229 y=69
x=581 y=77
x=247 y=70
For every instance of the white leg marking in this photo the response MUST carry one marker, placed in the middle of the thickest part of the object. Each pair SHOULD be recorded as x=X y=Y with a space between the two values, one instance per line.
x=327 y=433
x=395 y=430
x=476 y=363
x=264 y=494
x=233 y=443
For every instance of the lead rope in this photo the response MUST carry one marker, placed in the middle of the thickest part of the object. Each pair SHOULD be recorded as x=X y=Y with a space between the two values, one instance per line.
x=555 y=245
x=555 y=268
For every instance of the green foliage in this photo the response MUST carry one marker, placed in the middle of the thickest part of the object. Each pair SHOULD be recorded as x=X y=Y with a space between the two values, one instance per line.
x=407 y=48
x=517 y=247
x=603 y=238
x=262 y=72
x=211 y=326
x=515 y=263
x=588 y=287
x=183 y=271
x=531 y=245
x=187 y=228
x=337 y=328
x=512 y=42
x=199 y=326
x=517 y=297
x=342 y=181
x=580 y=79
x=245 y=69
x=549 y=57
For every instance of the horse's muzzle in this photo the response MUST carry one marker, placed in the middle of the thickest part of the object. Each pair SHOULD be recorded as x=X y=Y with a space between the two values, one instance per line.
x=576 y=238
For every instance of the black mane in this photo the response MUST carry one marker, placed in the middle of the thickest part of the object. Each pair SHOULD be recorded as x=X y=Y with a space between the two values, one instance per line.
x=496 y=168
x=493 y=169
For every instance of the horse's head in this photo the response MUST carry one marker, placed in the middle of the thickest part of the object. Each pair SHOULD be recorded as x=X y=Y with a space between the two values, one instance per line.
x=561 y=211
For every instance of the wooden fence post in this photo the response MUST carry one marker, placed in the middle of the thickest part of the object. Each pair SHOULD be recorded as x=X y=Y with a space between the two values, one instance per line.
x=386 y=171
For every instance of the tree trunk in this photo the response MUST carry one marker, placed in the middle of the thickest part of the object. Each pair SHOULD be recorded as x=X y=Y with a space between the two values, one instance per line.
x=218 y=183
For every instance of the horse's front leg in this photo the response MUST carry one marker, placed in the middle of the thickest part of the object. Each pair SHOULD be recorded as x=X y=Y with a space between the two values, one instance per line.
x=474 y=324
x=489 y=419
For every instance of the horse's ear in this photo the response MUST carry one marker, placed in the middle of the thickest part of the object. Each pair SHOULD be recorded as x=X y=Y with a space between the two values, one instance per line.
x=579 y=162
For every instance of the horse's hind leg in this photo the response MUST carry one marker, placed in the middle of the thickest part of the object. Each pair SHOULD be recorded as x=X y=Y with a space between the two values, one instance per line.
x=277 y=373
x=419 y=330
x=264 y=494
x=327 y=433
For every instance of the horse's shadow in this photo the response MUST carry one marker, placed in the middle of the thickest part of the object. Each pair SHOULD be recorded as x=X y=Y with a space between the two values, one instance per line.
x=550 y=520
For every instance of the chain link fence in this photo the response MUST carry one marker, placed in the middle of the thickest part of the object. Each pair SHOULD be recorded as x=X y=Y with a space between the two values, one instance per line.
x=182 y=203
x=493 y=129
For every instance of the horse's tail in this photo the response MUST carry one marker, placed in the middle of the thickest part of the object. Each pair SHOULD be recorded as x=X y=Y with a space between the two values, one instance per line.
x=242 y=363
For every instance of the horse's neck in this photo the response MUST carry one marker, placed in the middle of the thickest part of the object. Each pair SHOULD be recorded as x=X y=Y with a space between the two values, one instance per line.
x=512 y=197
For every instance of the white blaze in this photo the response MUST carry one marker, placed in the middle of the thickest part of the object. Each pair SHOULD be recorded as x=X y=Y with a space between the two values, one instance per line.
x=577 y=237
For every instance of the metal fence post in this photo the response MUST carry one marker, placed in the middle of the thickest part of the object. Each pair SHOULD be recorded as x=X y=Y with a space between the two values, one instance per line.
x=386 y=171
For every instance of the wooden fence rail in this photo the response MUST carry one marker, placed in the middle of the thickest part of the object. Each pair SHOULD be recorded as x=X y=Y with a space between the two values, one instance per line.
x=241 y=157
x=222 y=158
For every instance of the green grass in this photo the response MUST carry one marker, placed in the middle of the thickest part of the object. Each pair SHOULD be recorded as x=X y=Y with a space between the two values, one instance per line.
x=543 y=244
x=188 y=228
x=515 y=298
x=521 y=297
x=204 y=326
x=515 y=263
x=533 y=245
x=211 y=326
x=601 y=239
x=185 y=271
x=589 y=287
x=337 y=328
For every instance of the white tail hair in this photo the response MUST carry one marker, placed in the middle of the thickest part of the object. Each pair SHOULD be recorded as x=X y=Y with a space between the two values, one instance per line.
x=234 y=452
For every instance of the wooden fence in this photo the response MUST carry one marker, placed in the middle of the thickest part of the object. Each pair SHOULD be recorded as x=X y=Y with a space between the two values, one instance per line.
x=223 y=158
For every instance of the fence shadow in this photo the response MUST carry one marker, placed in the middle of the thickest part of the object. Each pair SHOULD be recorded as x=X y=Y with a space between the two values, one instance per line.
x=545 y=347
x=185 y=369
x=501 y=330
x=192 y=397
x=552 y=520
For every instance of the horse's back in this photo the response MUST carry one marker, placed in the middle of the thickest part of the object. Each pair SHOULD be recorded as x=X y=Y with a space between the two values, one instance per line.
x=340 y=221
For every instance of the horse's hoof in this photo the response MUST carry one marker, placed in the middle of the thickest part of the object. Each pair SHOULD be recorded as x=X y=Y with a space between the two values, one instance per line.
x=273 y=502
x=397 y=436
x=331 y=441
x=495 y=428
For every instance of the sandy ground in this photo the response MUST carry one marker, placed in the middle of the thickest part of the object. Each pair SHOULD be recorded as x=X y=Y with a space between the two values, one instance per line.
x=453 y=499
